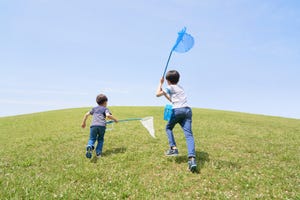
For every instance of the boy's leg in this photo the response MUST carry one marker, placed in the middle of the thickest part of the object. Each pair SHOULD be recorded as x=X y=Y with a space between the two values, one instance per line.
x=91 y=142
x=173 y=151
x=187 y=129
x=186 y=125
x=100 y=140
x=93 y=136
x=169 y=130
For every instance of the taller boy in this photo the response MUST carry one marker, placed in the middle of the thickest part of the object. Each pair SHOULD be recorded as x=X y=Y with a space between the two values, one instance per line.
x=181 y=114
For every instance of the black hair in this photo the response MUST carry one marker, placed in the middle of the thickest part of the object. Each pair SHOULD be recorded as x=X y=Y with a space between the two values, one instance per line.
x=173 y=76
x=101 y=98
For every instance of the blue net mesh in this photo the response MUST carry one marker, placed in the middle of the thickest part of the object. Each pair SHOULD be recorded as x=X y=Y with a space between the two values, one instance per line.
x=184 y=42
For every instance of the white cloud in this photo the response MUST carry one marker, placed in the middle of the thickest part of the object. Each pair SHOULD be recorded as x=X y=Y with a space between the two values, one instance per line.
x=42 y=92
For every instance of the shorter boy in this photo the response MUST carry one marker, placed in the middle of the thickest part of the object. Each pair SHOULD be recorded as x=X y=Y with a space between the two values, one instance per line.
x=181 y=114
x=98 y=125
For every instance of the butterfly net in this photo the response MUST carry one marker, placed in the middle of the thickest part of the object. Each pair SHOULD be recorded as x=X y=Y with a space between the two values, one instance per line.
x=184 y=42
x=147 y=122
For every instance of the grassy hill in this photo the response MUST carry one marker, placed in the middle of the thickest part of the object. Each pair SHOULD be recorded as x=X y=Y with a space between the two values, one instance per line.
x=240 y=156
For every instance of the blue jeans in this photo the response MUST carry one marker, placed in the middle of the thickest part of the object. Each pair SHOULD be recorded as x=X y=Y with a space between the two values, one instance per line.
x=183 y=116
x=97 y=133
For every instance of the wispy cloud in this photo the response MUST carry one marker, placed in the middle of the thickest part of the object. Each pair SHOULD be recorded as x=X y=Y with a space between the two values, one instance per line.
x=116 y=90
x=31 y=102
x=42 y=92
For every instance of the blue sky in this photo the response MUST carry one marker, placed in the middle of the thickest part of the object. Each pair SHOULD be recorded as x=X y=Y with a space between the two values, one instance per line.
x=60 y=54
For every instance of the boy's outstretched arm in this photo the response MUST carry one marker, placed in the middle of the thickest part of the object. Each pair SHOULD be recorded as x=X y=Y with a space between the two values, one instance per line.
x=83 y=124
x=109 y=116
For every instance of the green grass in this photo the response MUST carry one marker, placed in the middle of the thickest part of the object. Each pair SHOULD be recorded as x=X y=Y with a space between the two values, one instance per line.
x=240 y=156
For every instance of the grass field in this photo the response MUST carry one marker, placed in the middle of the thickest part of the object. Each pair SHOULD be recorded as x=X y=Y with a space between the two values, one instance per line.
x=239 y=156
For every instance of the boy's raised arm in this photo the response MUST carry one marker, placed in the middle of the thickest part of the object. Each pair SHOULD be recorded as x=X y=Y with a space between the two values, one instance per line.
x=159 y=91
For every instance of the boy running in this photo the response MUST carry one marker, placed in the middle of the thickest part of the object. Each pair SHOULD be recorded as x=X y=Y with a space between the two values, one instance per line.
x=181 y=114
x=98 y=125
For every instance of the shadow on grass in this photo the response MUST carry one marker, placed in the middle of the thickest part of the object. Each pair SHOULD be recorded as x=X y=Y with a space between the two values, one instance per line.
x=110 y=152
x=221 y=164
x=114 y=151
x=201 y=158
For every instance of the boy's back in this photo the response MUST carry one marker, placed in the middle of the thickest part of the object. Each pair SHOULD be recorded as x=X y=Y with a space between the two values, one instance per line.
x=99 y=116
x=177 y=95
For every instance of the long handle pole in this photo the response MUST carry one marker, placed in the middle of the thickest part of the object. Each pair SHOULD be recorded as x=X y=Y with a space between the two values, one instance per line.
x=167 y=64
x=124 y=120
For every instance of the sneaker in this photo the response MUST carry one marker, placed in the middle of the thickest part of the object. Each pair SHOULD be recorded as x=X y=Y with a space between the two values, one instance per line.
x=88 y=153
x=192 y=165
x=172 y=152
x=98 y=155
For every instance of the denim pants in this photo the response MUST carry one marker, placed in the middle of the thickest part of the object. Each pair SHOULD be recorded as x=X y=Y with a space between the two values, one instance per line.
x=183 y=116
x=97 y=133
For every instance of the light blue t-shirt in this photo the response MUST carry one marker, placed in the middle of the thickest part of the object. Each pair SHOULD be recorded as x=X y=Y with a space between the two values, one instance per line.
x=99 y=115
x=177 y=95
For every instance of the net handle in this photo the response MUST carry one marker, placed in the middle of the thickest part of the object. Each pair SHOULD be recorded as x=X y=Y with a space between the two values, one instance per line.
x=124 y=120
x=142 y=120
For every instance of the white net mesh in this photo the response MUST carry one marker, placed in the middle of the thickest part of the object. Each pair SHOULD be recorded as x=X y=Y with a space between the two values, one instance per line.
x=148 y=124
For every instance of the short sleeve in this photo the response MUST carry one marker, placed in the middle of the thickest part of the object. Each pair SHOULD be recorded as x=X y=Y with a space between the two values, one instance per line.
x=92 y=111
x=168 y=90
x=107 y=112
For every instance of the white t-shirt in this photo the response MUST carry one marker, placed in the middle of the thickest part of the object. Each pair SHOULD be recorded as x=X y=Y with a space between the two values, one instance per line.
x=177 y=95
